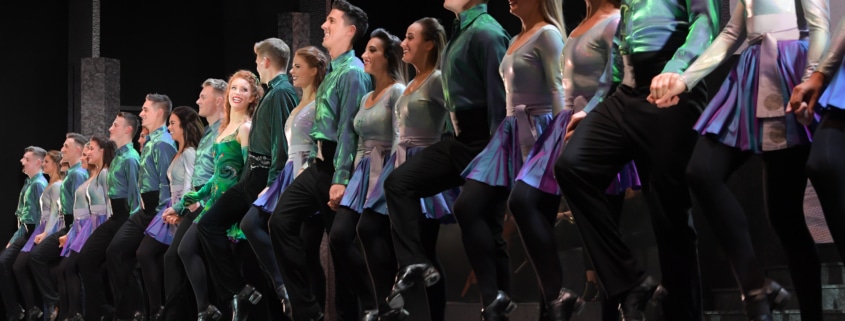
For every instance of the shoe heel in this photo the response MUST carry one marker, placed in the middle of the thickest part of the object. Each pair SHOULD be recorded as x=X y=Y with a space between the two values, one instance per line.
x=578 y=306
x=255 y=297
x=780 y=299
x=659 y=295
x=431 y=276
x=511 y=306
x=396 y=301
x=216 y=315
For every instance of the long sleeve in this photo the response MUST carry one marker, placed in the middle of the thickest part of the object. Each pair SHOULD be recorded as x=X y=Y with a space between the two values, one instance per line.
x=704 y=24
x=817 y=14
x=283 y=102
x=549 y=46
x=354 y=85
x=163 y=154
x=133 y=192
x=613 y=69
x=725 y=44
x=189 y=157
x=831 y=60
x=488 y=47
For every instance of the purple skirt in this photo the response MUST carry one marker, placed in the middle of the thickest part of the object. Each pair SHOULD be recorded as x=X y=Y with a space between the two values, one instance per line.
x=359 y=185
x=80 y=232
x=268 y=201
x=732 y=113
x=538 y=170
x=501 y=160
x=831 y=98
x=160 y=230
x=437 y=207
x=31 y=242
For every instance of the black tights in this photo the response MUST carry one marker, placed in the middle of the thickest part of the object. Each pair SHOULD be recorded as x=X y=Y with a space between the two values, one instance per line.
x=151 y=258
x=826 y=168
x=312 y=232
x=350 y=258
x=784 y=179
x=374 y=232
x=70 y=284
x=191 y=254
x=480 y=213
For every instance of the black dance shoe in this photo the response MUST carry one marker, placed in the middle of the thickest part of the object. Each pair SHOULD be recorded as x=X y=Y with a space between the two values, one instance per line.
x=20 y=315
x=634 y=303
x=34 y=314
x=776 y=295
x=499 y=309
x=370 y=315
x=158 y=316
x=77 y=317
x=394 y=315
x=248 y=295
x=139 y=316
x=211 y=313
x=407 y=277
x=565 y=305
x=759 y=303
x=287 y=309
x=591 y=291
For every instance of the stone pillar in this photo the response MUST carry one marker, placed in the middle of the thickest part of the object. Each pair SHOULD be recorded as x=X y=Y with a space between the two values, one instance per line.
x=295 y=29
x=100 y=93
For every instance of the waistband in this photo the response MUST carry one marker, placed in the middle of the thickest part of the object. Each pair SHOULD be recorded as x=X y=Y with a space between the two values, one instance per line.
x=371 y=144
x=255 y=160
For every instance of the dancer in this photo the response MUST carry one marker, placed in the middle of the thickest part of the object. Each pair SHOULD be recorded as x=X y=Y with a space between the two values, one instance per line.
x=267 y=155
x=210 y=102
x=186 y=129
x=824 y=165
x=373 y=124
x=307 y=72
x=156 y=154
x=125 y=199
x=91 y=210
x=51 y=222
x=747 y=117
x=321 y=185
x=473 y=89
x=231 y=145
x=419 y=119
x=28 y=214
x=657 y=39
x=48 y=252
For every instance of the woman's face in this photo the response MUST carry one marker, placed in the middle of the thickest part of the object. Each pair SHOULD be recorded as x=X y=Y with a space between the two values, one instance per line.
x=374 y=60
x=240 y=94
x=49 y=166
x=84 y=158
x=414 y=48
x=174 y=126
x=95 y=153
x=302 y=73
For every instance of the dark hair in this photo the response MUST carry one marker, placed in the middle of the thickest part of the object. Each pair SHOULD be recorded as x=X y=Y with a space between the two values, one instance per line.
x=353 y=15
x=257 y=93
x=78 y=138
x=108 y=147
x=191 y=125
x=316 y=59
x=391 y=46
x=162 y=101
x=276 y=50
x=36 y=151
x=432 y=30
x=131 y=121
x=56 y=157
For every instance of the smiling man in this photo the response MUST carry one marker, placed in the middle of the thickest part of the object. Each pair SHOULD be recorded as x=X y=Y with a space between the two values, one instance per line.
x=321 y=186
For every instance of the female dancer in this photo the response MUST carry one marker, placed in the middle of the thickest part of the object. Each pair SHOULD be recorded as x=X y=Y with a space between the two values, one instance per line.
x=91 y=208
x=186 y=129
x=51 y=221
x=748 y=117
x=534 y=200
x=531 y=101
x=307 y=72
x=419 y=119
x=242 y=98
x=825 y=166
x=374 y=126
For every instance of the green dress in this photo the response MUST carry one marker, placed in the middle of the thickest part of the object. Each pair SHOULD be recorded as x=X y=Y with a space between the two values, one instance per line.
x=229 y=159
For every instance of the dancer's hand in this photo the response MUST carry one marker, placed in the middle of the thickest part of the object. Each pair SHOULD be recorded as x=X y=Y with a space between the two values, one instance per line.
x=573 y=122
x=190 y=198
x=40 y=237
x=665 y=89
x=804 y=98
x=62 y=240
x=169 y=215
x=335 y=194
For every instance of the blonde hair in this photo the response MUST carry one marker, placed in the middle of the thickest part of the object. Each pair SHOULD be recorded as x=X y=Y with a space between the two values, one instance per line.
x=552 y=12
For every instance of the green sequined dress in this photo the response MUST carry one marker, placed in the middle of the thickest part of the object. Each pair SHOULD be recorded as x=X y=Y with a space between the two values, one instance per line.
x=229 y=158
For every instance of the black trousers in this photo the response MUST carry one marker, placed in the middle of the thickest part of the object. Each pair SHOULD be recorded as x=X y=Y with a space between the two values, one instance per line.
x=7 y=260
x=151 y=259
x=308 y=194
x=190 y=251
x=42 y=260
x=70 y=285
x=625 y=127
x=24 y=279
x=254 y=226
x=784 y=185
x=826 y=169
x=92 y=259
x=226 y=211
x=177 y=293
x=121 y=259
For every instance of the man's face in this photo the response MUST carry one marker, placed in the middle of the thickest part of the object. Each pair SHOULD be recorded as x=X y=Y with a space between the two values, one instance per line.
x=335 y=30
x=70 y=150
x=119 y=129
x=30 y=163
x=208 y=102
x=151 y=114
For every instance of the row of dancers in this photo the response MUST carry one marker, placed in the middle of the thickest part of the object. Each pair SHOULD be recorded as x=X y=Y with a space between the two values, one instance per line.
x=487 y=122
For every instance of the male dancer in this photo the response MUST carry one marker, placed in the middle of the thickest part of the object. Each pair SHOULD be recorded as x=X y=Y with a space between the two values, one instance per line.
x=321 y=186
x=156 y=155
x=124 y=198
x=176 y=295
x=267 y=157
x=44 y=256
x=29 y=214
x=473 y=88
x=658 y=40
